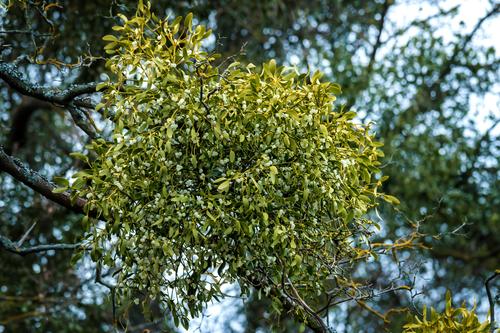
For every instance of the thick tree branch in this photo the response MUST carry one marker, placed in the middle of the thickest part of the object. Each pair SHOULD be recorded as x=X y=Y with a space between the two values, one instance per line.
x=314 y=320
x=12 y=247
x=16 y=80
x=60 y=97
x=290 y=303
x=40 y=184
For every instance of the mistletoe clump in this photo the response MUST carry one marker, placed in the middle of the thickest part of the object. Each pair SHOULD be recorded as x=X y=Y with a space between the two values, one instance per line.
x=452 y=320
x=222 y=173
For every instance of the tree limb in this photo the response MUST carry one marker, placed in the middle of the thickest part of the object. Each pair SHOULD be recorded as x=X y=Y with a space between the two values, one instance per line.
x=378 y=41
x=464 y=42
x=37 y=182
x=448 y=65
x=16 y=80
x=290 y=303
x=82 y=120
x=12 y=247
x=314 y=319
x=60 y=97
x=422 y=100
x=376 y=47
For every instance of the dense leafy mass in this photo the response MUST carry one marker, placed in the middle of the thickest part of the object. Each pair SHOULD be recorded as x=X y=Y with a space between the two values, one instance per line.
x=214 y=176
x=452 y=320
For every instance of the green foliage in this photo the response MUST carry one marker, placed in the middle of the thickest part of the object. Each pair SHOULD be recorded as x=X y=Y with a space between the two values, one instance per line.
x=452 y=320
x=215 y=176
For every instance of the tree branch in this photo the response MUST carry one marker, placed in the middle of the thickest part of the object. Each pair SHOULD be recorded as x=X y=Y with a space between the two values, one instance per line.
x=461 y=46
x=23 y=237
x=82 y=120
x=491 y=300
x=373 y=54
x=37 y=182
x=314 y=319
x=12 y=247
x=112 y=289
x=378 y=42
x=289 y=303
x=16 y=80
x=422 y=100
x=60 y=97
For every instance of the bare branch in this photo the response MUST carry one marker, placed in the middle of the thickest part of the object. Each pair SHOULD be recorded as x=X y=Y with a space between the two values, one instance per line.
x=12 y=247
x=112 y=288
x=378 y=42
x=371 y=295
x=491 y=300
x=37 y=182
x=375 y=48
x=61 y=97
x=465 y=41
x=16 y=80
x=82 y=120
x=23 y=237
x=23 y=32
x=12 y=76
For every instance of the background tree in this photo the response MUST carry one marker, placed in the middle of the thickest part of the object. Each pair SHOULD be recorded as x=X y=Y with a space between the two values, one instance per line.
x=418 y=87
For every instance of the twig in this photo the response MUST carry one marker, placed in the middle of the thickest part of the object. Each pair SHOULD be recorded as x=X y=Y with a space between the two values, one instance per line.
x=491 y=300
x=82 y=120
x=372 y=295
x=112 y=289
x=23 y=238
x=201 y=90
x=12 y=247
x=24 y=32
x=372 y=310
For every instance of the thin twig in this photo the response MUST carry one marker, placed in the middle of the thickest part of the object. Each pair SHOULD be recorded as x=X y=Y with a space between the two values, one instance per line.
x=112 y=289
x=83 y=121
x=12 y=247
x=23 y=238
x=491 y=300
x=201 y=90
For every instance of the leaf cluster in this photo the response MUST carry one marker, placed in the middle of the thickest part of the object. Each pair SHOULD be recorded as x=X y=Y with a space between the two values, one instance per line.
x=452 y=320
x=217 y=175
